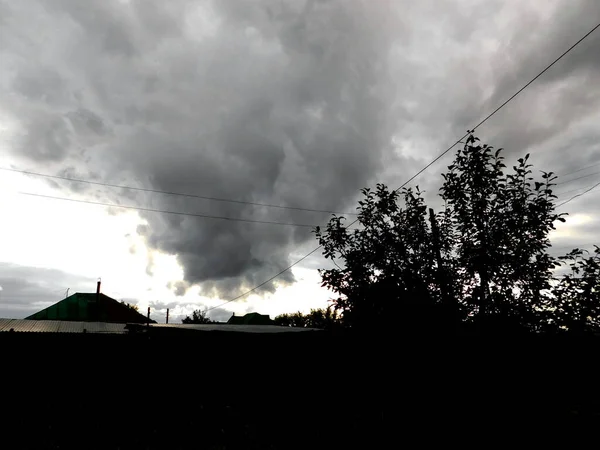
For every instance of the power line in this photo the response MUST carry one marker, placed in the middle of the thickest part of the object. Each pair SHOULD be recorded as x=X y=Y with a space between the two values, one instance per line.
x=501 y=106
x=578 y=178
x=265 y=282
x=205 y=216
x=574 y=190
x=579 y=195
x=575 y=179
x=433 y=161
x=571 y=191
x=180 y=194
x=579 y=170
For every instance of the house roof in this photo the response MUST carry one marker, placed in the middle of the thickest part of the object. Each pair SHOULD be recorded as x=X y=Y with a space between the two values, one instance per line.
x=90 y=307
x=225 y=328
x=58 y=326
x=250 y=319
x=70 y=327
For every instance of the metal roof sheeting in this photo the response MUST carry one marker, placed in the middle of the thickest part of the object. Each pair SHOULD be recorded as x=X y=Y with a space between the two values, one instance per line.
x=63 y=326
x=234 y=328
x=59 y=326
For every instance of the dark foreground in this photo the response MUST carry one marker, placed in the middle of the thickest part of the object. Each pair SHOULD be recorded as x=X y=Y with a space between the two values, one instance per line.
x=229 y=390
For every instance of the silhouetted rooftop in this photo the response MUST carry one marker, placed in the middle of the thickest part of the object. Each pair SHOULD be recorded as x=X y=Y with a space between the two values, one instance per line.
x=238 y=328
x=90 y=307
x=60 y=326
x=250 y=319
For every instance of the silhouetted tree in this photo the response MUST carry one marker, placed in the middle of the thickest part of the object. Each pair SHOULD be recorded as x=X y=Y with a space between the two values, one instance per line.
x=482 y=259
x=575 y=301
x=325 y=318
x=130 y=306
x=389 y=265
x=499 y=225
x=198 y=317
x=296 y=319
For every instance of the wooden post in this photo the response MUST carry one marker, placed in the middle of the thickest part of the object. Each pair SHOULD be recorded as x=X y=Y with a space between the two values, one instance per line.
x=167 y=316
x=148 y=319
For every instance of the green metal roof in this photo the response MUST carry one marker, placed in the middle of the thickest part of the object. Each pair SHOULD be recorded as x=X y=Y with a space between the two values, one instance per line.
x=93 y=307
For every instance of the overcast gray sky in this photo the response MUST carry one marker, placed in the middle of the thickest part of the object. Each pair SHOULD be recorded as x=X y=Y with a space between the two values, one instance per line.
x=289 y=102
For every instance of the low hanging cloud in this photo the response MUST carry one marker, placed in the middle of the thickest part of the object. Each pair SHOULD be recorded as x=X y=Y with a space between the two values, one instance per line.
x=25 y=290
x=297 y=103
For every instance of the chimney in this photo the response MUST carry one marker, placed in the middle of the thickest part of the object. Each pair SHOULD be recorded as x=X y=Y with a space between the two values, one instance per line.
x=98 y=301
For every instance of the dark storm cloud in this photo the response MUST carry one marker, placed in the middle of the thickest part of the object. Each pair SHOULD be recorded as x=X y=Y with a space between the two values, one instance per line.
x=299 y=103
x=508 y=43
x=568 y=92
x=273 y=102
x=26 y=290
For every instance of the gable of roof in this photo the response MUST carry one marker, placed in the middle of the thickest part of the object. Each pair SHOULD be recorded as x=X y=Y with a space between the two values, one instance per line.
x=236 y=320
x=91 y=307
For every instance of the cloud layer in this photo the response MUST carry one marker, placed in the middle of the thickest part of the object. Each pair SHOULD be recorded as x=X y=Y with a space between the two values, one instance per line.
x=26 y=290
x=292 y=103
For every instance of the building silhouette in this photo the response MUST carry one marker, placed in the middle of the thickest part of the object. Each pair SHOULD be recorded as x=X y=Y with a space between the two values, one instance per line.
x=90 y=307
x=250 y=319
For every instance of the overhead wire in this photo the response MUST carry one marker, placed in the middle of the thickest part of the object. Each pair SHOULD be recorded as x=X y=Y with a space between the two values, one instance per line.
x=578 y=178
x=180 y=194
x=581 y=169
x=570 y=192
x=281 y=272
x=138 y=208
x=501 y=106
x=574 y=190
x=430 y=163
x=578 y=195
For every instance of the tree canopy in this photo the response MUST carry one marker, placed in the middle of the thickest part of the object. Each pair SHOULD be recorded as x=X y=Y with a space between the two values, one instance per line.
x=198 y=317
x=482 y=261
x=130 y=306
x=325 y=318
